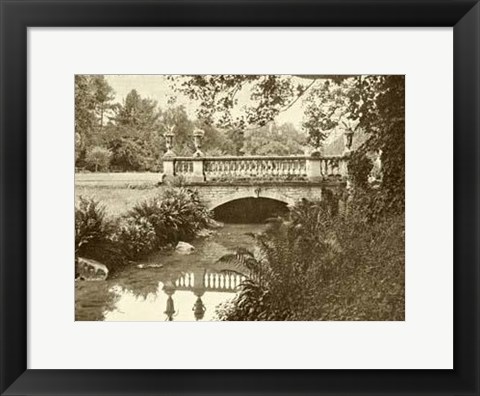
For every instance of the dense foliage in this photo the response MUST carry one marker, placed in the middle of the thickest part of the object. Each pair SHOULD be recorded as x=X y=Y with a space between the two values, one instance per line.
x=370 y=105
x=129 y=136
x=322 y=266
x=174 y=215
x=95 y=234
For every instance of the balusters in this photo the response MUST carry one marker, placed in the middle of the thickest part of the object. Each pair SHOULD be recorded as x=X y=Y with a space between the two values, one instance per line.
x=267 y=168
x=343 y=168
x=329 y=167
x=183 y=167
x=205 y=279
x=287 y=168
x=296 y=167
x=220 y=169
x=227 y=281
x=302 y=168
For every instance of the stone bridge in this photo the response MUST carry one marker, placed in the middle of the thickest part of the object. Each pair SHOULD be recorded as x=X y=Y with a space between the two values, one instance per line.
x=282 y=178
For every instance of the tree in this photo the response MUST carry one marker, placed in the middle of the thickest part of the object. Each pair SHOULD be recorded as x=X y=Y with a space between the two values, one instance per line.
x=269 y=95
x=379 y=107
x=103 y=95
x=93 y=97
x=216 y=142
x=98 y=158
x=134 y=137
x=373 y=104
x=176 y=120
x=138 y=112
x=274 y=140
x=127 y=155
x=327 y=109
x=84 y=114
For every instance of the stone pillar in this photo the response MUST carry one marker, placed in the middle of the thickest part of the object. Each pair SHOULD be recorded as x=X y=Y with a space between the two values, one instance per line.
x=168 y=166
x=169 y=156
x=314 y=173
x=343 y=166
x=197 y=176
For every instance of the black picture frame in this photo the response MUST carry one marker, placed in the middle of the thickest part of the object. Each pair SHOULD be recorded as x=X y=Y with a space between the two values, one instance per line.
x=18 y=15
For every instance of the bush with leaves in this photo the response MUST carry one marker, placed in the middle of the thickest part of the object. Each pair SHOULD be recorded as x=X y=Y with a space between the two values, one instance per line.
x=175 y=215
x=322 y=266
x=95 y=234
x=359 y=169
x=136 y=236
x=98 y=158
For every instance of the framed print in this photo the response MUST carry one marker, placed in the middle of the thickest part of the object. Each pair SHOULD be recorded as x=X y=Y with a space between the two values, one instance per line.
x=239 y=197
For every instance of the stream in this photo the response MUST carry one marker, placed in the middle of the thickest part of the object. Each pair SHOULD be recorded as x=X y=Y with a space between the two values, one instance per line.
x=169 y=285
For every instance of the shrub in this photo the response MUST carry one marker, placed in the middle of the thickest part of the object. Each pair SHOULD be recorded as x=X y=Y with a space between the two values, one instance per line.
x=95 y=234
x=128 y=155
x=175 y=215
x=359 y=168
x=136 y=236
x=98 y=158
x=322 y=266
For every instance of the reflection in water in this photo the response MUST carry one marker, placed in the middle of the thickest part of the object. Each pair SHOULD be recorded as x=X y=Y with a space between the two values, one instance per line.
x=199 y=283
x=167 y=303
x=199 y=309
x=186 y=288
x=170 y=310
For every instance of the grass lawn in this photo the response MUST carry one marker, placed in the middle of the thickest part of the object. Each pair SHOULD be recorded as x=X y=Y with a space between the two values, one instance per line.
x=118 y=192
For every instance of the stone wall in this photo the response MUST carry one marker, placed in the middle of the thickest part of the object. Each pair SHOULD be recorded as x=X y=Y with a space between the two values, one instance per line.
x=216 y=195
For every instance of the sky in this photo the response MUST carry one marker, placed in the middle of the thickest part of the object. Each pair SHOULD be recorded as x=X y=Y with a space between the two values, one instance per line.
x=158 y=88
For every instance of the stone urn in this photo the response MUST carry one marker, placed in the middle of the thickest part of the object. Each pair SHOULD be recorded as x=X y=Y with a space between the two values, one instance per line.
x=197 y=140
x=169 y=143
x=348 y=140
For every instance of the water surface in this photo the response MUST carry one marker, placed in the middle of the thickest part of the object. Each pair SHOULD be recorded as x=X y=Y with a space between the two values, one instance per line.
x=185 y=287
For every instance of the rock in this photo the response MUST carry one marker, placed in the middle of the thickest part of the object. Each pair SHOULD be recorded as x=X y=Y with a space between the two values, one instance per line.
x=149 y=265
x=215 y=224
x=184 y=248
x=88 y=269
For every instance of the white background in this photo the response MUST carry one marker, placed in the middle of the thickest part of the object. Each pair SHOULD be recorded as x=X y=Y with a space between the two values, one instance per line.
x=424 y=340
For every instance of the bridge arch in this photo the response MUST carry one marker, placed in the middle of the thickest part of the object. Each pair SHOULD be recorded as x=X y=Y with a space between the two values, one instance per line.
x=239 y=194
x=216 y=195
x=250 y=210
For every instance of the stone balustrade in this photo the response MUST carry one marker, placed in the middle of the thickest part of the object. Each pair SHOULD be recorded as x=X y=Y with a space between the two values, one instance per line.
x=268 y=168
x=255 y=168
x=209 y=281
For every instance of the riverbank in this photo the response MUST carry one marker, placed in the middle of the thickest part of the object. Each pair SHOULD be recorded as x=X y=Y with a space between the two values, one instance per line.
x=114 y=236
x=141 y=294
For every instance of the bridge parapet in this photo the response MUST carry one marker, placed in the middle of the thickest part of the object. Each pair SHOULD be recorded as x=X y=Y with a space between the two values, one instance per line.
x=265 y=168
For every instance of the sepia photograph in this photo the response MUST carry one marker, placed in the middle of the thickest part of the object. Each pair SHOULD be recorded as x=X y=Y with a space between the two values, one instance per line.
x=239 y=197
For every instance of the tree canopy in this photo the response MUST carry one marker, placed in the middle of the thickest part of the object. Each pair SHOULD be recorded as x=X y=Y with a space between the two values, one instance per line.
x=239 y=115
x=373 y=104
